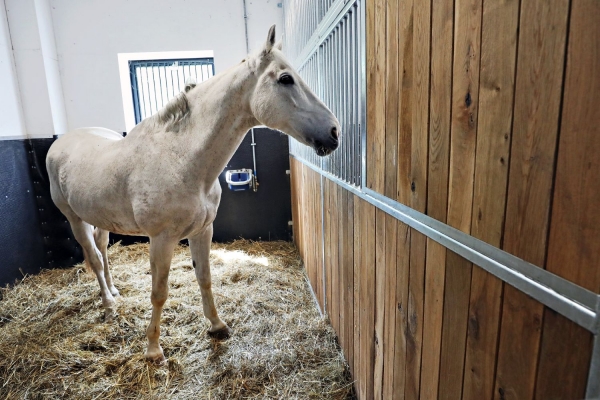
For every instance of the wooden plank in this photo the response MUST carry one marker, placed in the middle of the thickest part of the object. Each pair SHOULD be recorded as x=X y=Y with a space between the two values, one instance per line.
x=327 y=239
x=389 y=338
x=420 y=102
x=356 y=295
x=317 y=237
x=454 y=326
x=465 y=95
x=349 y=272
x=498 y=54
x=392 y=94
x=574 y=245
x=380 y=303
x=465 y=99
x=367 y=299
x=375 y=29
x=535 y=127
x=402 y=281
x=414 y=329
x=405 y=83
x=442 y=14
x=437 y=188
x=342 y=266
x=294 y=197
x=435 y=268
x=334 y=313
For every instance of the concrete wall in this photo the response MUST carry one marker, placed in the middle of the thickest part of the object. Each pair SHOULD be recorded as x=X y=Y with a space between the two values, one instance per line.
x=65 y=71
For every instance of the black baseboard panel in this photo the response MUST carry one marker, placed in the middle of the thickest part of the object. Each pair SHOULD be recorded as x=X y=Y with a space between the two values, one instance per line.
x=33 y=233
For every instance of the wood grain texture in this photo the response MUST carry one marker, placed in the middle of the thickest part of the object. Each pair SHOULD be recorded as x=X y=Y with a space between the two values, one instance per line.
x=327 y=239
x=574 y=245
x=465 y=99
x=343 y=250
x=376 y=56
x=403 y=235
x=496 y=88
x=420 y=102
x=539 y=77
x=389 y=329
x=368 y=220
x=405 y=107
x=414 y=328
x=435 y=266
x=442 y=16
x=349 y=272
x=334 y=286
x=380 y=303
x=392 y=100
x=454 y=326
x=358 y=282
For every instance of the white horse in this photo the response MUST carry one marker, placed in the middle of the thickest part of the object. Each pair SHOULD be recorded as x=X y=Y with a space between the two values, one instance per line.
x=161 y=180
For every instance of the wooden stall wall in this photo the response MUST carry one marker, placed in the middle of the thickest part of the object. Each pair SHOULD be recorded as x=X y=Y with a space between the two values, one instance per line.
x=378 y=293
x=481 y=115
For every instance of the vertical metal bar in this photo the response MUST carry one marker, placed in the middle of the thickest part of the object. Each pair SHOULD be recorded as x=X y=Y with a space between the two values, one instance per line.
x=147 y=93
x=363 y=94
x=352 y=80
x=345 y=99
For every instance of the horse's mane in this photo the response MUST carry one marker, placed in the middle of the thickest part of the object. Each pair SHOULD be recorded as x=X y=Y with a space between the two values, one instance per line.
x=175 y=114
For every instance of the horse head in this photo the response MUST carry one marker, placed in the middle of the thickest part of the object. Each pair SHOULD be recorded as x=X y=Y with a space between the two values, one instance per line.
x=283 y=101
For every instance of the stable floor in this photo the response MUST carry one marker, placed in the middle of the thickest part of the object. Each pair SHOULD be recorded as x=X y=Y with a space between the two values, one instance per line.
x=54 y=343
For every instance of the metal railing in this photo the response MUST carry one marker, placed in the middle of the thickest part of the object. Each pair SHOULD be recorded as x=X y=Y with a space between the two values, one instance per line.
x=328 y=46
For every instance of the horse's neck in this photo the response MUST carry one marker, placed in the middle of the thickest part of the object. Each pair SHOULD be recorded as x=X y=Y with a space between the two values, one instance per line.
x=220 y=116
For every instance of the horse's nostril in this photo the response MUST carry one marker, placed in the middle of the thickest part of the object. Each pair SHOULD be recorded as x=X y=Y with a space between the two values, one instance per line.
x=334 y=132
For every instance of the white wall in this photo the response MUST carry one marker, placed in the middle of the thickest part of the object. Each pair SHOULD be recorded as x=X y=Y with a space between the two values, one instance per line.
x=62 y=72
x=90 y=34
x=11 y=115
x=29 y=63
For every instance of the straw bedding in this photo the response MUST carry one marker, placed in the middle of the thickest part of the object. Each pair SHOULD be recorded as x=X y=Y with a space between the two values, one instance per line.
x=55 y=345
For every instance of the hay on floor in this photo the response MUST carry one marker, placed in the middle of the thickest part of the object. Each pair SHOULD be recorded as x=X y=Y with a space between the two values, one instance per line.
x=55 y=345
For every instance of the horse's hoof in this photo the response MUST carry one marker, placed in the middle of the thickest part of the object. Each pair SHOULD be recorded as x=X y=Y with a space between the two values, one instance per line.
x=114 y=292
x=156 y=359
x=221 y=334
x=110 y=315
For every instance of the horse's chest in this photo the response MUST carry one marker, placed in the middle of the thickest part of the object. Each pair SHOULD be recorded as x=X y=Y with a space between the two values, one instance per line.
x=179 y=211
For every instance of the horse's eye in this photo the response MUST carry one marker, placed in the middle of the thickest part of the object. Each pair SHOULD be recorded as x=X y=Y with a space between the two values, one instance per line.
x=286 y=79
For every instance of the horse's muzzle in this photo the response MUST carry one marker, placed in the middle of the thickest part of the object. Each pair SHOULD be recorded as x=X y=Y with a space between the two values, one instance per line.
x=326 y=147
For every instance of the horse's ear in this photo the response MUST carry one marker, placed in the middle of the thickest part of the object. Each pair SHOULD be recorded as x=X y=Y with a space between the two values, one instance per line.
x=279 y=45
x=270 y=39
x=190 y=83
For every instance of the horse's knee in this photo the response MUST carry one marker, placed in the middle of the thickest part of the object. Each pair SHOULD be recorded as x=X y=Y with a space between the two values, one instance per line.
x=205 y=284
x=159 y=297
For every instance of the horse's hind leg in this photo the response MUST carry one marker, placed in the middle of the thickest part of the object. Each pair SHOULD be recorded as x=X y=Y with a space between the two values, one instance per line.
x=84 y=235
x=200 y=248
x=101 y=239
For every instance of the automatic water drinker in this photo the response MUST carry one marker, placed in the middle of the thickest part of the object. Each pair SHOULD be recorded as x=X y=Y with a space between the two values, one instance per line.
x=239 y=179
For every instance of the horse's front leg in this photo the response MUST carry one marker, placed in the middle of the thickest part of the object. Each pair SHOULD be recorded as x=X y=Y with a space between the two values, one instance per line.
x=200 y=248
x=161 y=253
